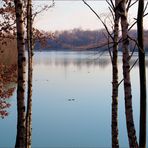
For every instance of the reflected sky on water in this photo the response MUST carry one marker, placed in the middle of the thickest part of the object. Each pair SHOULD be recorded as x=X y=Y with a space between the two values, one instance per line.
x=72 y=101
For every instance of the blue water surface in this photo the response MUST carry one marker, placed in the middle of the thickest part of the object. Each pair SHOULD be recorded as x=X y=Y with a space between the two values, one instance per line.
x=72 y=102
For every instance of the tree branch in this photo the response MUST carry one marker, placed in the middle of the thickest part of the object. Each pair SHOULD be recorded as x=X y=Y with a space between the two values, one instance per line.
x=131 y=4
x=45 y=8
x=111 y=4
x=98 y=17
x=129 y=70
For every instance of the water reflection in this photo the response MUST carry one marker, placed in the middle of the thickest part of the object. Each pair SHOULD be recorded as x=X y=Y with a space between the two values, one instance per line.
x=72 y=101
x=66 y=59
x=8 y=77
x=78 y=59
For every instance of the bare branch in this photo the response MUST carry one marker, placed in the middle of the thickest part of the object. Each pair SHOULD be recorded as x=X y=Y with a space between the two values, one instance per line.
x=112 y=13
x=128 y=5
x=136 y=22
x=98 y=17
x=111 y=4
x=135 y=43
x=132 y=26
x=133 y=51
x=131 y=4
x=145 y=14
x=145 y=7
x=100 y=46
x=45 y=8
x=129 y=70
x=108 y=44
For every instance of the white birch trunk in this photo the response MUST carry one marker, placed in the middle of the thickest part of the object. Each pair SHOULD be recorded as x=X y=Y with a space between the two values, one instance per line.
x=30 y=69
x=126 y=74
x=20 y=137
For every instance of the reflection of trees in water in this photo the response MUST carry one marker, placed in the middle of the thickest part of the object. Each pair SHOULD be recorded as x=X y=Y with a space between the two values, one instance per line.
x=8 y=77
x=79 y=60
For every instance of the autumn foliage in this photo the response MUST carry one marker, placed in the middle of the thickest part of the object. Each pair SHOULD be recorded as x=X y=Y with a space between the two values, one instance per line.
x=8 y=75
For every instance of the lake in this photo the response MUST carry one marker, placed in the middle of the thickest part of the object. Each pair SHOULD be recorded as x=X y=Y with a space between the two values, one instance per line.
x=72 y=101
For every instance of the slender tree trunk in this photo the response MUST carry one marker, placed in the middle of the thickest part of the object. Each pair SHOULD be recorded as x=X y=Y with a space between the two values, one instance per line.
x=126 y=74
x=115 y=141
x=142 y=71
x=20 y=137
x=30 y=69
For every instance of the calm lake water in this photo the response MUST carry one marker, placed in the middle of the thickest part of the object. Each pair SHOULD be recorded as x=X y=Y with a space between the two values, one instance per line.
x=72 y=102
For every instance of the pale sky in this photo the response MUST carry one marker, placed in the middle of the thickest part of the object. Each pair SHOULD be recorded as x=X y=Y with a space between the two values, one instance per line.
x=68 y=14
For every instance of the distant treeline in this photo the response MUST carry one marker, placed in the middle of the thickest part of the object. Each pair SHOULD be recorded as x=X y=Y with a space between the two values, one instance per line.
x=78 y=39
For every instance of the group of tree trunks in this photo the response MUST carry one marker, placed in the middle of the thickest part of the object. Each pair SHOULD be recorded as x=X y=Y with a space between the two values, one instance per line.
x=120 y=9
x=121 y=12
x=16 y=14
x=24 y=118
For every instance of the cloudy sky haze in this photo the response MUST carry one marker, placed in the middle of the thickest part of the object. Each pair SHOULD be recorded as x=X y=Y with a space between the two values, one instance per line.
x=67 y=15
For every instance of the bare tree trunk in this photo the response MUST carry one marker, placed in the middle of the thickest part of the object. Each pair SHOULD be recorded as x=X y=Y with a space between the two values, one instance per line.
x=126 y=74
x=30 y=69
x=20 y=137
x=115 y=141
x=142 y=71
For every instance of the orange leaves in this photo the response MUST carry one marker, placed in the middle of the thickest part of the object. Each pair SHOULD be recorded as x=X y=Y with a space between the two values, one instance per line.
x=8 y=75
x=4 y=105
x=7 y=93
x=3 y=114
x=7 y=14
